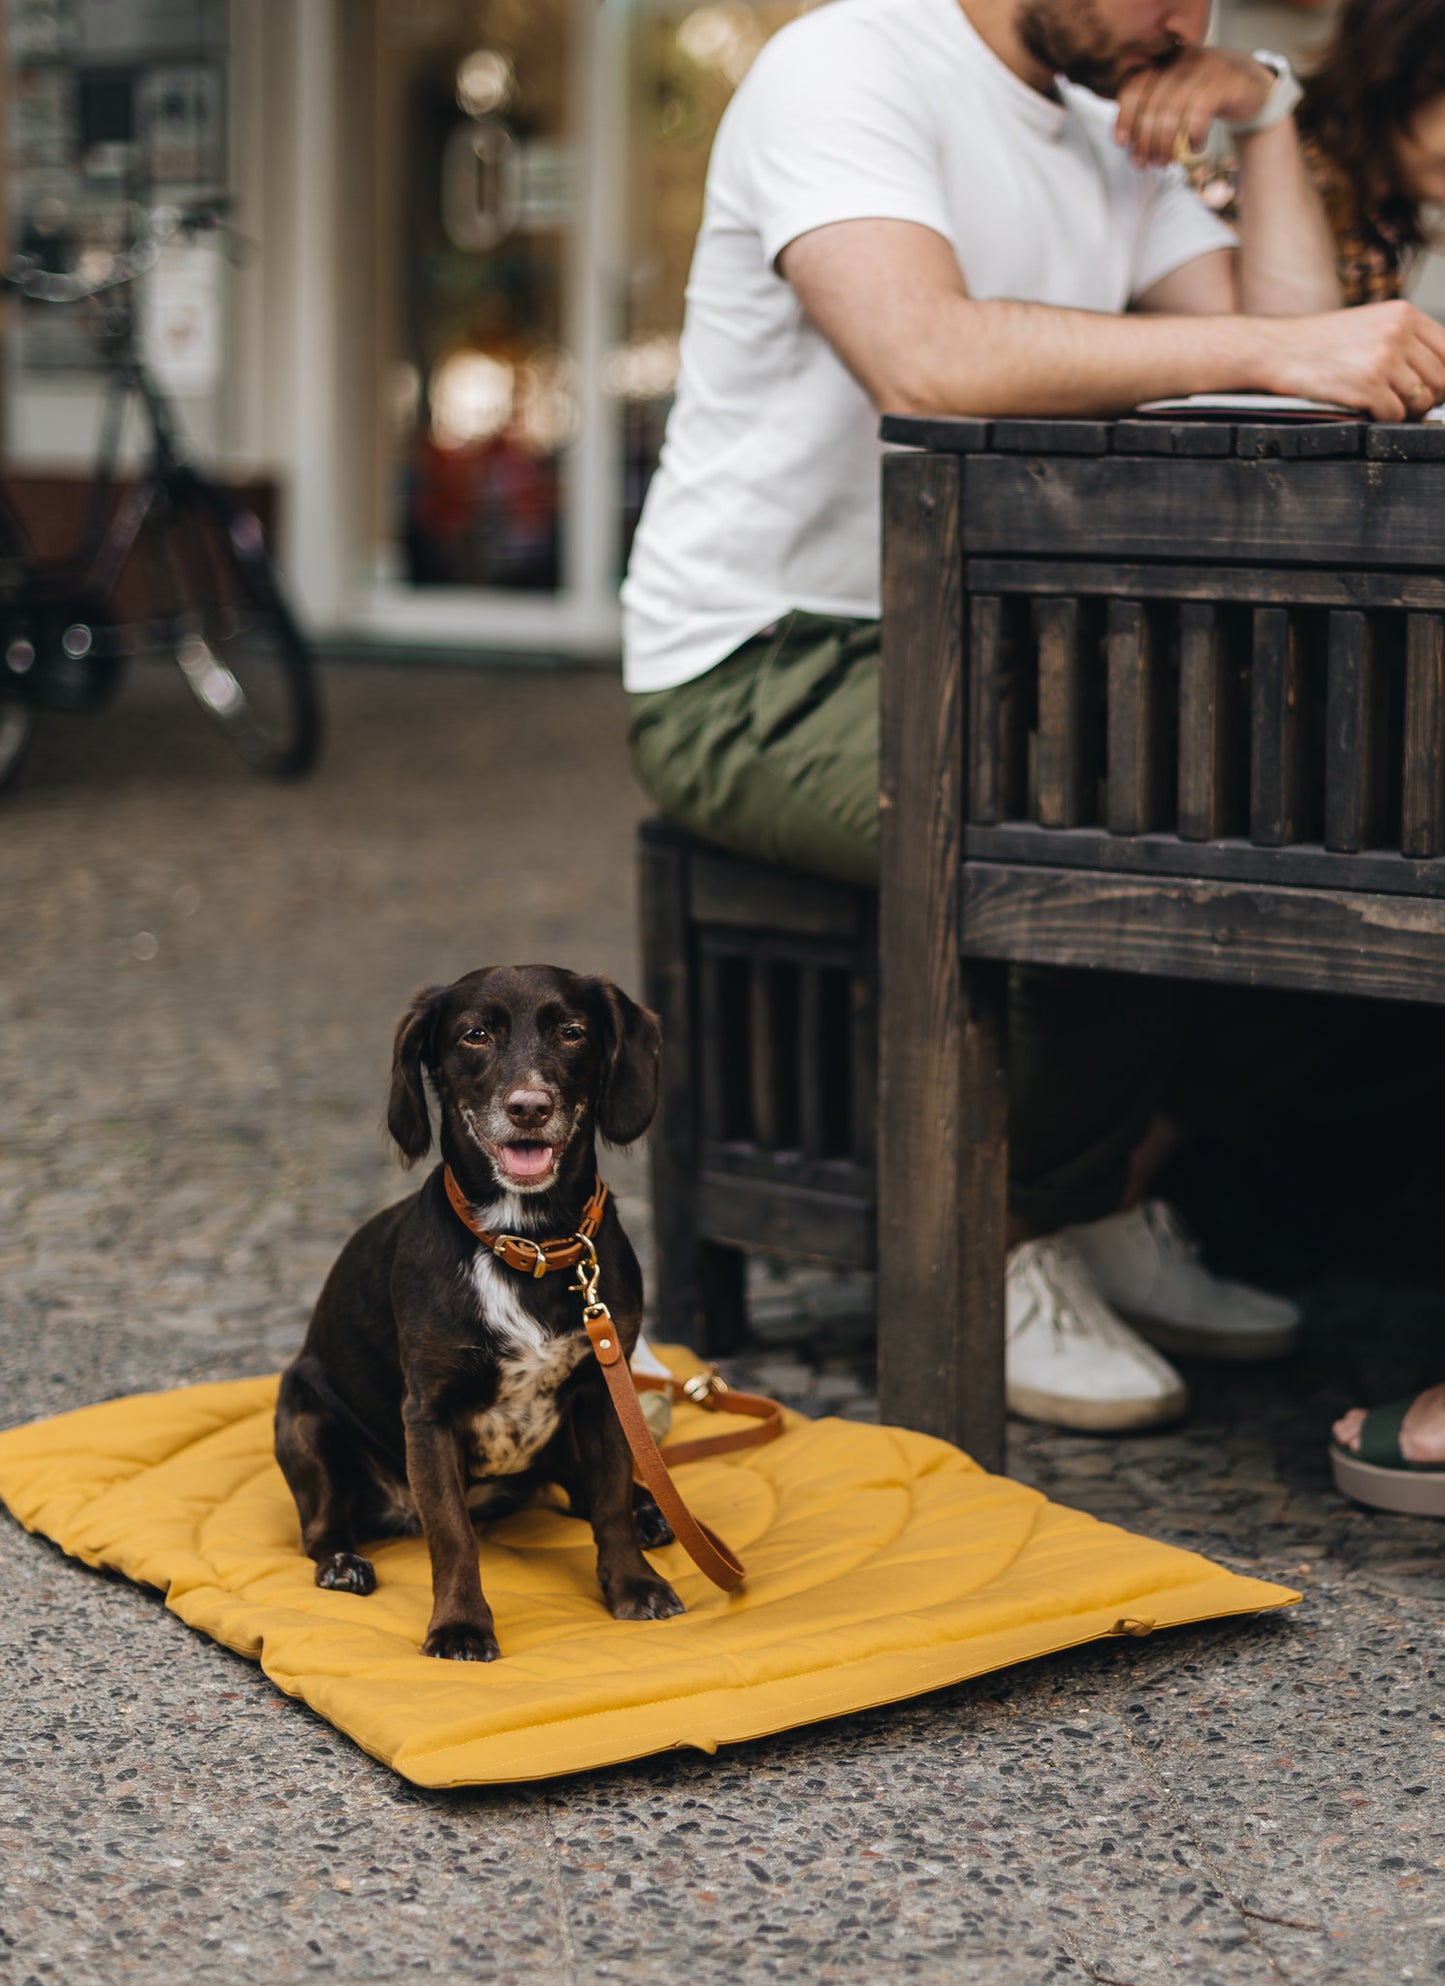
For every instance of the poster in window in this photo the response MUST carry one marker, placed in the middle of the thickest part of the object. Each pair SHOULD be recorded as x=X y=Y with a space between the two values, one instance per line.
x=181 y=317
x=179 y=114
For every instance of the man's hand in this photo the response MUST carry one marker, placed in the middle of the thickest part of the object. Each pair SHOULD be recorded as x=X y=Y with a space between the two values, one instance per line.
x=1178 y=100
x=1388 y=358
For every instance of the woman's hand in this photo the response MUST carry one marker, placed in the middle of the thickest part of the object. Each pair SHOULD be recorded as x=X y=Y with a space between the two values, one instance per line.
x=1167 y=108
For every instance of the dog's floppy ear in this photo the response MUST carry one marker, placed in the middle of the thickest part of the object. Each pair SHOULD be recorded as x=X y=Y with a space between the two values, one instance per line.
x=632 y=1049
x=407 y=1118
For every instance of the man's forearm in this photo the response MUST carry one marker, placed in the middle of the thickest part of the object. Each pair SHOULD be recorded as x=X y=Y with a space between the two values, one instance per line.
x=889 y=297
x=1023 y=358
x=1287 y=263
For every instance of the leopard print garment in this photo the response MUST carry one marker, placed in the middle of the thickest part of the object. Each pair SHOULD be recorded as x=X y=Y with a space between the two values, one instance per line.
x=1372 y=263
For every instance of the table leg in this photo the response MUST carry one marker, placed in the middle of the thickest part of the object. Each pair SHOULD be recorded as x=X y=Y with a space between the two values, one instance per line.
x=941 y=1123
x=672 y=1145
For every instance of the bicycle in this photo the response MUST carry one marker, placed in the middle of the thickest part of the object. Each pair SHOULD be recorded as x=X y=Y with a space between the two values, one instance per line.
x=171 y=565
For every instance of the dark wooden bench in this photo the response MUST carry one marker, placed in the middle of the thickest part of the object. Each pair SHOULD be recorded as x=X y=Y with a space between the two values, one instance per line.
x=766 y=985
x=1165 y=699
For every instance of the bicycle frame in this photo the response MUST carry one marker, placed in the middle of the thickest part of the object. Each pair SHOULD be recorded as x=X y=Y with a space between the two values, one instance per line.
x=107 y=540
x=68 y=623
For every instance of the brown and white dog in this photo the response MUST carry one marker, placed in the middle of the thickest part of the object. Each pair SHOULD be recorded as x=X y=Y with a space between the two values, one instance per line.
x=436 y=1384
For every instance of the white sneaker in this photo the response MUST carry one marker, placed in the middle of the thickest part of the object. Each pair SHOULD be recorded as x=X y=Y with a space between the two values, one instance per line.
x=1070 y=1360
x=1146 y=1263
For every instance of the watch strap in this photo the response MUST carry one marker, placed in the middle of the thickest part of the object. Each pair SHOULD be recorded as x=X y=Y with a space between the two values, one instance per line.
x=1283 y=98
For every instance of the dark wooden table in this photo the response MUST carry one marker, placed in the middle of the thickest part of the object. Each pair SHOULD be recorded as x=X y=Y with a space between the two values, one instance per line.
x=1166 y=699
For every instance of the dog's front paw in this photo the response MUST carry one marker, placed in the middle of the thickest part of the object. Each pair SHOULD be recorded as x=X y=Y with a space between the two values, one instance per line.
x=642 y=1600
x=346 y=1572
x=461 y=1642
x=653 y=1529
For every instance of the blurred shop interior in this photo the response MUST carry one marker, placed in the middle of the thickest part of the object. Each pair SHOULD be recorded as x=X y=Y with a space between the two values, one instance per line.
x=443 y=345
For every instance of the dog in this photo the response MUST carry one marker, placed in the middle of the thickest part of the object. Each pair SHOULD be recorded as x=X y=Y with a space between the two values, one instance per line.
x=437 y=1384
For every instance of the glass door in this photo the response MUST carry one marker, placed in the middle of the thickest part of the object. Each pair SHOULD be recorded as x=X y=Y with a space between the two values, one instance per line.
x=489 y=282
x=481 y=388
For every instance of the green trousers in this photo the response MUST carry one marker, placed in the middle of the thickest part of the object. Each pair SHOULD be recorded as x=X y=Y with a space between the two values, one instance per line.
x=774 y=754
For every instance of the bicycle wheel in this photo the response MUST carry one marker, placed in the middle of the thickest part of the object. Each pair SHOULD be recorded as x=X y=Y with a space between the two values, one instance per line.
x=228 y=626
x=17 y=724
x=17 y=719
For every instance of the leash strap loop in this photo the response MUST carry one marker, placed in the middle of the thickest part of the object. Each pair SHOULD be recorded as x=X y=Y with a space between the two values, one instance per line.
x=702 y=1545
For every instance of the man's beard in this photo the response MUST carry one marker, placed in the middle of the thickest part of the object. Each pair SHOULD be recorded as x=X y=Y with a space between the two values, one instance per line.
x=1069 y=38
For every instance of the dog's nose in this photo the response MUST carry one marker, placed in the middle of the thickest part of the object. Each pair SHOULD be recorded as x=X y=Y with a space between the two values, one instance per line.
x=528 y=1108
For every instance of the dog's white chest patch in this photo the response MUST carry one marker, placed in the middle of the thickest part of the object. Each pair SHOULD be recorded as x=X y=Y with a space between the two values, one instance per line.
x=510 y=1434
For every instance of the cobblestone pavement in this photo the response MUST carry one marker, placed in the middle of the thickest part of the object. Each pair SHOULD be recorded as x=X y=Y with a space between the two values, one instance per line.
x=199 y=978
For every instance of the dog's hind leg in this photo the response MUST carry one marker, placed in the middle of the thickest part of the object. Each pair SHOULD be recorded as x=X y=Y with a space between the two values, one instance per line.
x=318 y=1458
x=653 y=1529
x=563 y=1464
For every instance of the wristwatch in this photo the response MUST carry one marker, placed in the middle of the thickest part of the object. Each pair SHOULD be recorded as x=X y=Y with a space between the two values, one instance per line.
x=1284 y=94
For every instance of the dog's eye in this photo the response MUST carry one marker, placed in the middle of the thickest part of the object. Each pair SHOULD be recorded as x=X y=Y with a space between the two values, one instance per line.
x=570 y=1031
x=475 y=1037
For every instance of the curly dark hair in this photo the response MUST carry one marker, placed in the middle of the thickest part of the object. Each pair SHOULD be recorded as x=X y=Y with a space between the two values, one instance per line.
x=1384 y=63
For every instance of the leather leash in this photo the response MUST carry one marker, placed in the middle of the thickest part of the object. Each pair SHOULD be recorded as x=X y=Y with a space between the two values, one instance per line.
x=702 y=1544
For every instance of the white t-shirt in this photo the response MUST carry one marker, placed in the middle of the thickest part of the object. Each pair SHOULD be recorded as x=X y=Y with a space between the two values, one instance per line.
x=766 y=497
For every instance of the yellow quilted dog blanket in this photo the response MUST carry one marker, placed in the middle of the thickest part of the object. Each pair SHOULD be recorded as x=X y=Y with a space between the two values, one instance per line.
x=880 y=1564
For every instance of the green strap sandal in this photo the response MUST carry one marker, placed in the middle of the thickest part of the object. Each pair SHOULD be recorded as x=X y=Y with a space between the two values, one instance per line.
x=1378 y=1473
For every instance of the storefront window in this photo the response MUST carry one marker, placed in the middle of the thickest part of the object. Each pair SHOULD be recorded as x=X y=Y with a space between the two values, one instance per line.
x=479 y=385
x=116 y=107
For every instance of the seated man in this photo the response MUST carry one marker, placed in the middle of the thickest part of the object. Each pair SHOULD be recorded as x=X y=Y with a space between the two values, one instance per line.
x=928 y=206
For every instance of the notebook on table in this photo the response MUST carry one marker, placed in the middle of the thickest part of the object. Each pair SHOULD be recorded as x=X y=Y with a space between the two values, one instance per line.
x=1263 y=407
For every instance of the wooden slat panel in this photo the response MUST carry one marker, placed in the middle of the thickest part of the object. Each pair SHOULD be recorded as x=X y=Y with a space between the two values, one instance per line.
x=1257 y=586
x=1065 y=787
x=863 y=1057
x=673 y=1146
x=1305 y=865
x=1016 y=692
x=1136 y=722
x=985 y=687
x=1392 y=442
x=1422 y=809
x=998 y=713
x=1300 y=441
x=1140 y=507
x=1276 y=803
x=1044 y=437
x=957 y=434
x=767 y=1055
x=722 y=1291
x=711 y=1042
x=810 y=1071
x=1322 y=941
x=1173 y=438
x=788 y=1220
x=749 y=895
x=1354 y=737
x=1207 y=776
x=940 y=1269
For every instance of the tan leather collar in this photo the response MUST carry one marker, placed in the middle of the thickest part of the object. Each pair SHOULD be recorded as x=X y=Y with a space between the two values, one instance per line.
x=518 y=1251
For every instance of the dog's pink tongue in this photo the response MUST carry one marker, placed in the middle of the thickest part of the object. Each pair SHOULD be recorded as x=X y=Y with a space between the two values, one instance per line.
x=527 y=1161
